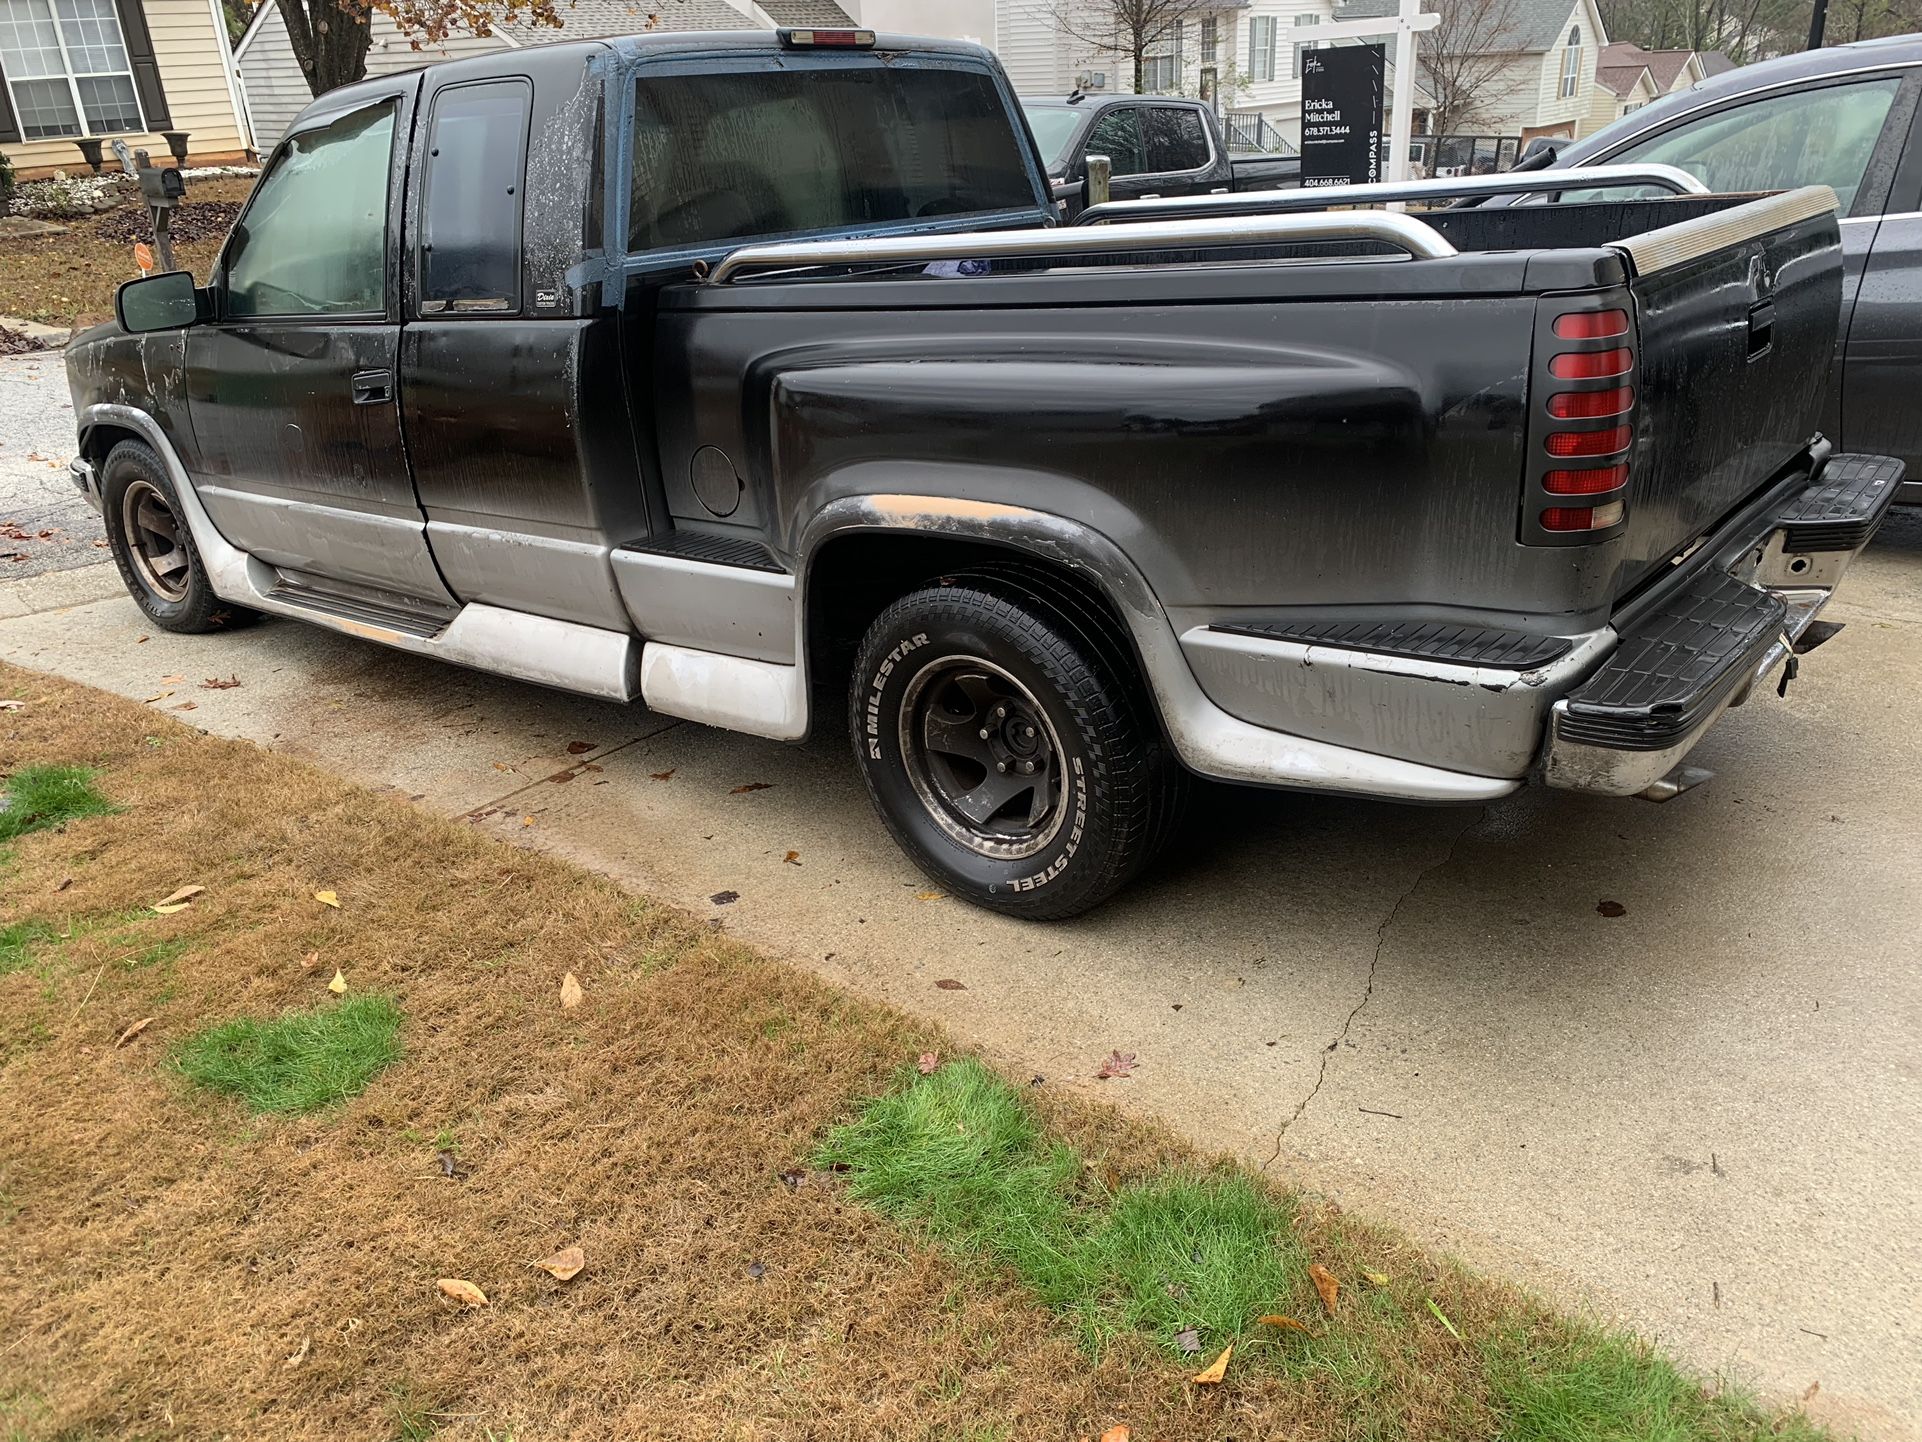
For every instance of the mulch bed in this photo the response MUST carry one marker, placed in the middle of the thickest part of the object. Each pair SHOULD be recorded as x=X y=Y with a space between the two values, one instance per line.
x=193 y=220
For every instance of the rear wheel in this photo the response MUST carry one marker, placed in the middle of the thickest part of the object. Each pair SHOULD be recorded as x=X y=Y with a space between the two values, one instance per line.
x=147 y=532
x=1007 y=748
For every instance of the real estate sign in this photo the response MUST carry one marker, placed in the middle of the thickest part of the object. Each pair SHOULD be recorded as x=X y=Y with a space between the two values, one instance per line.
x=1341 y=94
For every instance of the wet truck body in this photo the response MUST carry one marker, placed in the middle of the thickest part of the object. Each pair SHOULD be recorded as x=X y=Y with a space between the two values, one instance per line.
x=750 y=377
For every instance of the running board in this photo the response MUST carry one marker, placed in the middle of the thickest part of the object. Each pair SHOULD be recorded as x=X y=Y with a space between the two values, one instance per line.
x=422 y=624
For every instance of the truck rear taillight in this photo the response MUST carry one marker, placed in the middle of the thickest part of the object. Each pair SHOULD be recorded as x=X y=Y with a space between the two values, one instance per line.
x=1592 y=365
x=1582 y=419
x=1587 y=405
x=1591 y=325
x=1582 y=518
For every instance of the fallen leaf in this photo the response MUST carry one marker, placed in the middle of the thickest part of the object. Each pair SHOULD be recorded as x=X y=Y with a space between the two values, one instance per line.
x=793 y=858
x=502 y=766
x=564 y=1265
x=1611 y=908
x=1118 y=1064
x=306 y=1346
x=579 y=748
x=214 y=683
x=1216 y=1369
x=752 y=786
x=1442 y=1317
x=65 y=882
x=448 y=1163
x=792 y=1179
x=1188 y=1342
x=177 y=900
x=929 y=895
x=185 y=706
x=527 y=821
x=948 y=983
x=570 y=992
x=327 y=898
x=725 y=898
x=928 y=1063
x=1286 y=1324
x=133 y=1031
x=1379 y=1279
x=171 y=680
x=462 y=1291
x=338 y=986
x=1116 y=1433
x=157 y=696
x=310 y=961
x=756 y=1271
x=662 y=775
x=1326 y=1283
x=138 y=641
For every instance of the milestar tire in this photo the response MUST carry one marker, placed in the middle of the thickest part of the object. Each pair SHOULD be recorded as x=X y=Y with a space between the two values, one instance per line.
x=148 y=535
x=1008 y=746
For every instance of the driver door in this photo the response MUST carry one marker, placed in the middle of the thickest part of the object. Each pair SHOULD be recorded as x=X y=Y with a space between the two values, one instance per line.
x=292 y=386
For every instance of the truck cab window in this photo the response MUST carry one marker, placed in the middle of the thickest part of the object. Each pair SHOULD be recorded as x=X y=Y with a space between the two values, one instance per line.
x=471 y=212
x=314 y=239
x=731 y=156
x=1117 y=135
x=1813 y=137
x=1174 y=139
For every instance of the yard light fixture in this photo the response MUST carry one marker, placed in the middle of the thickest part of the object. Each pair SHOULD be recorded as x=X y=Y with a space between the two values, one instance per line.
x=177 y=143
x=90 y=149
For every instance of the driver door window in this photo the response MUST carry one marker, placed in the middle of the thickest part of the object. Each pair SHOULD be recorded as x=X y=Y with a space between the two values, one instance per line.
x=1814 y=137
x=314 y=240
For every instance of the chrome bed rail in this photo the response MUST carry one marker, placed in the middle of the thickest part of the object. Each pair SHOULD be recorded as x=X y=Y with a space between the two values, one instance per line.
x=1420 y=240
x=1320 y=197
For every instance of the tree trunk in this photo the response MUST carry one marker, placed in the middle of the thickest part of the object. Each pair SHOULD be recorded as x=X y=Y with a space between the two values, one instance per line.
x=329 y=39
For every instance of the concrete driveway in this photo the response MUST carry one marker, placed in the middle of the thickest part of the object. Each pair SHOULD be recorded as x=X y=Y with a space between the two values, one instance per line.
x=1702 y=1117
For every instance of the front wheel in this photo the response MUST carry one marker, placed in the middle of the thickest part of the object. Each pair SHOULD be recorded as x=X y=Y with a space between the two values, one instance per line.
x=1006 y=748
x=147 y=532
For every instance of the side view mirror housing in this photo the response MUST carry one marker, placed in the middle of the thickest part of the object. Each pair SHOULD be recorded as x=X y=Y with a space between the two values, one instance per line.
x=168 y=301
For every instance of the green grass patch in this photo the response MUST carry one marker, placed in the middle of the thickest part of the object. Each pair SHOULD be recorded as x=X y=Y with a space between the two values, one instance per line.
x=18 y=941
x=962 y=1158
x=300 y=1061
x=42 y=796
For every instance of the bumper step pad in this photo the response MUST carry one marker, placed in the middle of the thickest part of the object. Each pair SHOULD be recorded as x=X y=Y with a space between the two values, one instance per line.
x=1677 y=668
x=1841 y=510
x=711 y=550
x=1416 y=640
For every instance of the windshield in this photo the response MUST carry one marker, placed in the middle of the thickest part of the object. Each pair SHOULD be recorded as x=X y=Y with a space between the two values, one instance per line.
x=1054 y=127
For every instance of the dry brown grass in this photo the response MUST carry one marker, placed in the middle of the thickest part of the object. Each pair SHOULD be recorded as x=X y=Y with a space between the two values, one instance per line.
x=163 y=1253
x=69 y=280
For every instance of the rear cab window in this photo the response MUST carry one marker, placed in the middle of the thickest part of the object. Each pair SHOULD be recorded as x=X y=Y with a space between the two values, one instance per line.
x=471 y=205
x=805 y=149
x=1174 y=138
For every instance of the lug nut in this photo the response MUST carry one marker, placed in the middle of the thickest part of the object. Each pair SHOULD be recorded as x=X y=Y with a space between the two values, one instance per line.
x=984 y=733
x=1031 y=733
x=1027 y=768
x=1000 y=766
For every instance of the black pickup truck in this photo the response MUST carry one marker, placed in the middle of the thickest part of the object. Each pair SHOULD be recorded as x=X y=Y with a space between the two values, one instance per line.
x=749 y=377
x=1156 y=146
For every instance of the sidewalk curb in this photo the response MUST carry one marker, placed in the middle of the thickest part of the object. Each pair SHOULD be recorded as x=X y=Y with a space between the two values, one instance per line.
x=50 y=336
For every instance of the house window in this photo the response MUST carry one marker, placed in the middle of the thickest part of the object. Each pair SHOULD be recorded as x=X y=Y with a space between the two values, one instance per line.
x=1157 y=74
x=1210 y=39
x=1261 y=47
x=1301 y=45
x=65 y=63
x=1572 y=64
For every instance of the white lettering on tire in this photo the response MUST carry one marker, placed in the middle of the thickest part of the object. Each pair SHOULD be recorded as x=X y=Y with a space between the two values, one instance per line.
x=878 y=681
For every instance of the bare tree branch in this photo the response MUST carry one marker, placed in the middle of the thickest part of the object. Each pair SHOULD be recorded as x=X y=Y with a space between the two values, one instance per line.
x=1130 y=29
x=1463 y=61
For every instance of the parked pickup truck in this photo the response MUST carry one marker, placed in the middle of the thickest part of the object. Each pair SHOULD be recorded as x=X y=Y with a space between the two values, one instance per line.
x=1156 y=146
x=747 y=377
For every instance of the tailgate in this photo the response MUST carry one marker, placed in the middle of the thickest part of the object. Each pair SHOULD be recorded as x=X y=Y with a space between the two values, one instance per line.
x=1726 y=360
x=1737 y=315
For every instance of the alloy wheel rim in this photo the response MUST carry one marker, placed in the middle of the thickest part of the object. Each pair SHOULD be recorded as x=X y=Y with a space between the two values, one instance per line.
x=982 y=757
x=154 y=541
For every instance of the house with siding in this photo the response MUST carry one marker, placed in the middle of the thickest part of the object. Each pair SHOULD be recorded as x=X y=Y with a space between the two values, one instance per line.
x=126 y=69
x=276 y=90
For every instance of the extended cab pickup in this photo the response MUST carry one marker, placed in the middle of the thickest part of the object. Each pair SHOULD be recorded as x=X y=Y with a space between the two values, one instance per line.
x=1156 y=146
x=748 y=377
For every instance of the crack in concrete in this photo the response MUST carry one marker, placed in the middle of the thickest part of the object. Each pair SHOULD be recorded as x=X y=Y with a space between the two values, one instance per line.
x=474 y=812
x=1368 y=986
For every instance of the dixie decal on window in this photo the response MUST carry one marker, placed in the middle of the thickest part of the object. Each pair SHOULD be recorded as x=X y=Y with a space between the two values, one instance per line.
x=1341 y=92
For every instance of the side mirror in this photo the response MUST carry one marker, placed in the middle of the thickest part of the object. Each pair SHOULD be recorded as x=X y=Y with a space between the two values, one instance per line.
x=169 y=301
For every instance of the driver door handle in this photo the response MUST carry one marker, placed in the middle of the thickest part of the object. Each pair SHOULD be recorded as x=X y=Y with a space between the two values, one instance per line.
x=373 y=388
